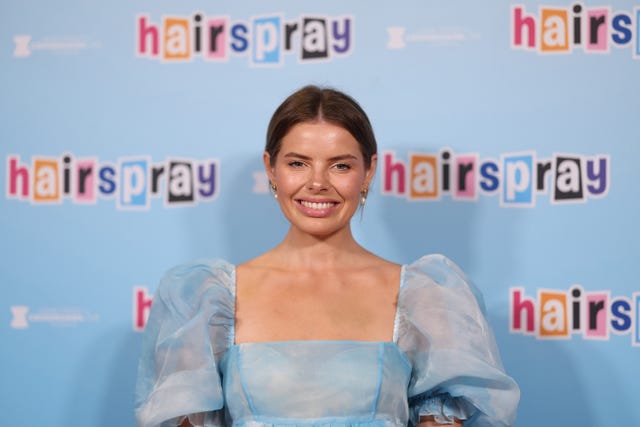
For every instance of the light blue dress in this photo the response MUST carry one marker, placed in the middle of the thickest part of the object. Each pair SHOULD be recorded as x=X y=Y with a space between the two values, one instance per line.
x=443 y=361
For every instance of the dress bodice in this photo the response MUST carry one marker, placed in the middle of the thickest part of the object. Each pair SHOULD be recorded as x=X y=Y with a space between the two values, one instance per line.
x=316 y=383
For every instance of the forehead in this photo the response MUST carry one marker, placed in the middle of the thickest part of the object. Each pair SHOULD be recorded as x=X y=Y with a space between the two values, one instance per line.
x=319 y=138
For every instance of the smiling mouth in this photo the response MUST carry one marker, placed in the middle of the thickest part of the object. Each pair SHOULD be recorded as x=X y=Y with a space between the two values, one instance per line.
x=317 y=205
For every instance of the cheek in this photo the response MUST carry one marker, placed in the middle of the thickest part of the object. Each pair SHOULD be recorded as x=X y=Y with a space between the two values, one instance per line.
x=290 y=181
x=350 y=187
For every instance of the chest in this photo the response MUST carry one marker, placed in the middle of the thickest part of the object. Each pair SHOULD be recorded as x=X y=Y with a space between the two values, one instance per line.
x=316 y=308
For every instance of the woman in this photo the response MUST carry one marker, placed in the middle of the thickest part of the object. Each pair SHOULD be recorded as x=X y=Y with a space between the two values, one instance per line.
x=319 y=331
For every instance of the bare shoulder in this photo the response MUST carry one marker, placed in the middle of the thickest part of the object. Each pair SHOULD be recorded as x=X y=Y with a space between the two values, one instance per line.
x=254 y=263
x=387 y=270
x=255 y=270
x=262 y=263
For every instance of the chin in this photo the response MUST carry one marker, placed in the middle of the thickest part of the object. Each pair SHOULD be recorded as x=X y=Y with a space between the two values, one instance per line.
x=319 y=231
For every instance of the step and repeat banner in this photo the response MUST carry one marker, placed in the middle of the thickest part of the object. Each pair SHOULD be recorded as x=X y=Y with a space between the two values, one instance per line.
x=131 y=140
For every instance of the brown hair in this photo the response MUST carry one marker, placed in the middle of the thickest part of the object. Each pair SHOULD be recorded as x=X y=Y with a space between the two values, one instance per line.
x=313 y=103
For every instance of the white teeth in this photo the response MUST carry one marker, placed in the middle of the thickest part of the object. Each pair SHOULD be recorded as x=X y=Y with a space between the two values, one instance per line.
x=314 y=205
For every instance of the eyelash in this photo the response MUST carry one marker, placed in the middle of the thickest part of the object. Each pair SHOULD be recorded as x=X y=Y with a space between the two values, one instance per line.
x=339 y=166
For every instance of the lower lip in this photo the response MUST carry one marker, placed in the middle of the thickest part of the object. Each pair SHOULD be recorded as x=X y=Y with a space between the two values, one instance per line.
x=316 y=213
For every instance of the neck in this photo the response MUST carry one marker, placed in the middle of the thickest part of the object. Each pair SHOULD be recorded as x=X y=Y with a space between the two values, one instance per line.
x=309 y=252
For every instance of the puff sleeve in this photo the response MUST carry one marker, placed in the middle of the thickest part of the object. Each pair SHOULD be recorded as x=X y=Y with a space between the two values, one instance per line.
x=456 y=367
x=189 y=329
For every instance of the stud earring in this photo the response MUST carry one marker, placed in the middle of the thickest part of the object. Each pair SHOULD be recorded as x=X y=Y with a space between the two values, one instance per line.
x=274 y=188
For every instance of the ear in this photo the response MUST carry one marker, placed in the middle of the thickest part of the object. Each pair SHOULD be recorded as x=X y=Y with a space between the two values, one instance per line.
x=369 y=174
x=266 y=159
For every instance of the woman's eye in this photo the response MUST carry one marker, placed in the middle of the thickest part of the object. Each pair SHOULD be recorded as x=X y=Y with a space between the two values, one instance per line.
x=343 y=166
x=296 y=163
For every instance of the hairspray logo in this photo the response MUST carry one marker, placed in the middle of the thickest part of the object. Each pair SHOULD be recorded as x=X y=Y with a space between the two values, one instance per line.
x=265 y=39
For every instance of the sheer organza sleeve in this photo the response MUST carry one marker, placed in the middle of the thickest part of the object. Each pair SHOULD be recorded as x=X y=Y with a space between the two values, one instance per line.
x=189 y=329
x=457 y=371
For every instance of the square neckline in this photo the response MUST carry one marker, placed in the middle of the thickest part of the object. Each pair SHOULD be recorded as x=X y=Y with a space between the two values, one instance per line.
x=232 y=332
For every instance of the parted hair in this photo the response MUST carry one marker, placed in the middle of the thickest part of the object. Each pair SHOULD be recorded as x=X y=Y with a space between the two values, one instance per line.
x=313 y=103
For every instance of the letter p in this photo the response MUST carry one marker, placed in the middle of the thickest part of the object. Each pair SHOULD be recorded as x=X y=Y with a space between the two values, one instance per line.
x=267 y=40
x=133 y=184
x=518 y=180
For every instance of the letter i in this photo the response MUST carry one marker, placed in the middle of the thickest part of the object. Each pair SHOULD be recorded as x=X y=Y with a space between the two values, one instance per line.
x=576 y=293
x=197 y=33
x=66 y=175
x=446 y=170
x=577 y=25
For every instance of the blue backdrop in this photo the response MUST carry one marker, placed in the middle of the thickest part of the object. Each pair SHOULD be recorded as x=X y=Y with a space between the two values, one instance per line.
x=131 y=141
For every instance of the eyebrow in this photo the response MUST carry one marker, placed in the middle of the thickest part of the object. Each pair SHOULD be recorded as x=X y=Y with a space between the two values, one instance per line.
x=333 y=159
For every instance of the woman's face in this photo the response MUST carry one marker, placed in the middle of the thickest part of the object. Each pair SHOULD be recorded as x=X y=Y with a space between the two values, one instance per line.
x=319 y=174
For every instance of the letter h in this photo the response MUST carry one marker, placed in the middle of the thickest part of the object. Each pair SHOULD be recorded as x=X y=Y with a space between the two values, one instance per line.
x=392 y=168
x=17 y=175
x=520 y=22
x=144 y=32
x=521 y=305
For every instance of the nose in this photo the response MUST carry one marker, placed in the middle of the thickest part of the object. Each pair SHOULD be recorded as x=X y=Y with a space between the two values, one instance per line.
x=318 y=180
